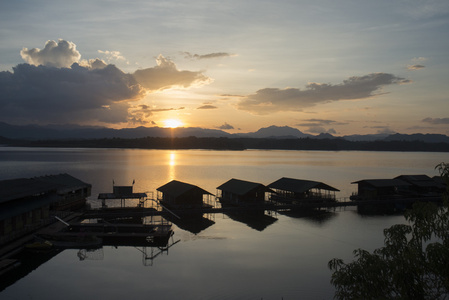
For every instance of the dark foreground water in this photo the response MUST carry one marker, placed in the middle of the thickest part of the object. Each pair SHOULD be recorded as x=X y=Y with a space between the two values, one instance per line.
x=228 y=257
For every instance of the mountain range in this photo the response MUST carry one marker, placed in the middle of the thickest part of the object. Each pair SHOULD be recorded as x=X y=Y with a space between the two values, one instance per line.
x=57 y=132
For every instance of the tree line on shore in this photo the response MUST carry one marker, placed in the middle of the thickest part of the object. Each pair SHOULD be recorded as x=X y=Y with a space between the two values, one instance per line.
x=224 y=143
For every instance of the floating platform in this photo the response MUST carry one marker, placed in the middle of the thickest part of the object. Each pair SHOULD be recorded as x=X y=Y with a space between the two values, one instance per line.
x=81 y=234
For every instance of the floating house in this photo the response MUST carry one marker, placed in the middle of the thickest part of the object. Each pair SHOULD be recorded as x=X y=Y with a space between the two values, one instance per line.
x=123 y=193
x=289 y=190
x=177 y=194
x=236 y=191
x=378 y=189
x=423 y=185
x=26 y=204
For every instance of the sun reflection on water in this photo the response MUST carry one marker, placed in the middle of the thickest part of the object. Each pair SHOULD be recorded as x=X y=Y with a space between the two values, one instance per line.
x=172 y=165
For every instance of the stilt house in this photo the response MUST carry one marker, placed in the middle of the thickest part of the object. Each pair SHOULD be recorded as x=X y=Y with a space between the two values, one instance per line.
x=123 y=193
x=377 y=189
x=423 y=185
x=289 y=190
x=236 y=191
x=26 y=204
x=177 y=194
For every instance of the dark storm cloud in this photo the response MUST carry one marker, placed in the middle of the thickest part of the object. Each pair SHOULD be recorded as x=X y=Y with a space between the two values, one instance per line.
x=436 y=121
x=166 y=75
x=206 y=56
x=271 y=100
x=61 y=54
x=56 y=86
x=45 y=94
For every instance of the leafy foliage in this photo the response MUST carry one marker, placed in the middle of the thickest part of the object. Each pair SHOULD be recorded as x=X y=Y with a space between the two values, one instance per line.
x=413 y=264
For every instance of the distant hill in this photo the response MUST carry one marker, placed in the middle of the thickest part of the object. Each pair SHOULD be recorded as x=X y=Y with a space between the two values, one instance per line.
x=65 y=132
x=427 y=138
x=365 y=138
x=277 y=132
x=35 y=132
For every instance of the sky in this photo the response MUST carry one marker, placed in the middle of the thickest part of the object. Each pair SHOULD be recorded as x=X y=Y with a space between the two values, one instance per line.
x=322 y=66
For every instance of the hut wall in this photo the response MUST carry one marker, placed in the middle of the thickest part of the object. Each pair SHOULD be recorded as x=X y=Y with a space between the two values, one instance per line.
x=369 y=192
x=193 y=196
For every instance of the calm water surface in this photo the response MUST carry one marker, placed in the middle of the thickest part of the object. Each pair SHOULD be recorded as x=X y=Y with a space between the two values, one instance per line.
x=278 y=257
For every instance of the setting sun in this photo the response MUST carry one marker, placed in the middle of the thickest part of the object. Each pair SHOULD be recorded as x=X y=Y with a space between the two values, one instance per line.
x=172 y=123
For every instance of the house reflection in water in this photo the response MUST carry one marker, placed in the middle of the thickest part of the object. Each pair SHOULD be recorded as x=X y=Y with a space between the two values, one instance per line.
x=189 y=201
x=257 y=219
x=149 y=253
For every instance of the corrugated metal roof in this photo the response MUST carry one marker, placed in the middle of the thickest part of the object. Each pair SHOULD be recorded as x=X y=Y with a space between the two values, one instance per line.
x=65 y=182
x=176 y=188
x=240 y=187
x=384 y=182
x=420 y=180
x=22 y=187
x=299 y=185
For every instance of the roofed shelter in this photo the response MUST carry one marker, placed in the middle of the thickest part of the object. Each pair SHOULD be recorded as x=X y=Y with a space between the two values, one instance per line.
x=290 y=189
x=26 y=204
x=123 y=193
x=236 y=191
x=423 y=185
x=372 y=189
x=179 y=194
x=71 y=191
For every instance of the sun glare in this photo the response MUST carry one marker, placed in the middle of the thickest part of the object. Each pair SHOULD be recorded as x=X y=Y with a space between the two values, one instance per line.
x=172 y=123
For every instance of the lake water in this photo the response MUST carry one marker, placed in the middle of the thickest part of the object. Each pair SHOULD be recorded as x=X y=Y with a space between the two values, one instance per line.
x=280 y=257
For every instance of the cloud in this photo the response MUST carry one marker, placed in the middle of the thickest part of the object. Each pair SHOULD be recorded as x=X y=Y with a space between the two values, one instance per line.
x=317 y=125
x=166 y=75
x=43 y=94
x=207 y=106
x=61 y=54
x=225 y=126
x=436 y=121
x=417 y=63
x=112 y=55
x=55 y=85
x=271 y=100
x=416 y=67
x=207 y=56
x=141 y=113
x=319 y=129
x=93 y=64
x=384 y=130
x=320 y=122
